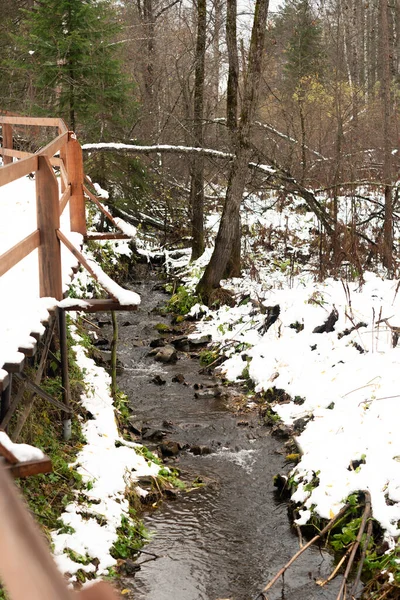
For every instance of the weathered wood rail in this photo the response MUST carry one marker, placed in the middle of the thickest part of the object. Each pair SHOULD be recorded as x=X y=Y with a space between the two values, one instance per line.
x=20 y=541
x=63 y=153
x=27 y=568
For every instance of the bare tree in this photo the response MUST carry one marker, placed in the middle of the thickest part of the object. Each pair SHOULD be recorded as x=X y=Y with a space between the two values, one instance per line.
x=387 y=154
x=239 y=170
x=197 y=178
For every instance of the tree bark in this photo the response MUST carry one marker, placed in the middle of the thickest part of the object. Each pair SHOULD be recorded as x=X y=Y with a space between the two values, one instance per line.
x=233 y=266
x=237 y=179
x=387 y=155
x=197 y=179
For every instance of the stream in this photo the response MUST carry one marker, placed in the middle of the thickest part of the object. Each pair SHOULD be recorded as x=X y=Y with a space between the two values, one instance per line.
x=224 y=540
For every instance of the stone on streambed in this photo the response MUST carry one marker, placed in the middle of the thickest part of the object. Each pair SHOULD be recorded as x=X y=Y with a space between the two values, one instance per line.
x=157 y=380
x=153 y=435
x=170 y=448
x=179 y=378
x=157 y=343
x=135 y=425
x=186 y=344
x=200 y=450
x=167 y=354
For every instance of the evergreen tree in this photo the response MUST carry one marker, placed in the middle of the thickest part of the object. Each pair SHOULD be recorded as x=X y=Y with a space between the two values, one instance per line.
x=300 y=37
x=303 y=54
x=66 y=48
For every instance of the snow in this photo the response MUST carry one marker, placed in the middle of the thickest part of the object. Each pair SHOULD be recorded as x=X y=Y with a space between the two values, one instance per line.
x=347 y=386
x=23 y=311
x=124 y=297
x=107 y=464
x=158 y=148
x=23 y=452
x=125 y=227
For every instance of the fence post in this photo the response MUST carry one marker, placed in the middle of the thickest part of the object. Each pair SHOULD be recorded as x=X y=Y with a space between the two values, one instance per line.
x=48 y=221
x=76 y=179
x=7 y=142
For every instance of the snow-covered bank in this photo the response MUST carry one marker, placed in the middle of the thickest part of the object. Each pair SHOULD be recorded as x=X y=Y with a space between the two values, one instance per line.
x=343 y=383
x=108 y=465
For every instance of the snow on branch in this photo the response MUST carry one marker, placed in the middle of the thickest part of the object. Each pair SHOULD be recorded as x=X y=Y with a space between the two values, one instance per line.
x=160 y=148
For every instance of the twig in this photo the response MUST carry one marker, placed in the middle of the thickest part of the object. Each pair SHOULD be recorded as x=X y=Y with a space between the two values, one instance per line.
x=298 y=531
x=373 y=328
x=362 y=559
x=336 y=569
x=367 y=511
x=303 y=549
x=369 y=384
x=377 y=399
x=90 y=322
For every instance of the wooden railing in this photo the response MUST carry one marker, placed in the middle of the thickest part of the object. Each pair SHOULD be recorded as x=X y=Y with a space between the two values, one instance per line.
x=51 y=199
x=20 y=541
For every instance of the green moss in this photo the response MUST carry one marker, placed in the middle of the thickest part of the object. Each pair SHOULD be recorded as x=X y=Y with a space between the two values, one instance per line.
x=182 y=301
x=162 y=328
x=170 y=476
x=208 y=356
x=145 y=452
x=131 y=537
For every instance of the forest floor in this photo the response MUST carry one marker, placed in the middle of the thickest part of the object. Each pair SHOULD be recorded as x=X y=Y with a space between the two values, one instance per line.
x=321 y=359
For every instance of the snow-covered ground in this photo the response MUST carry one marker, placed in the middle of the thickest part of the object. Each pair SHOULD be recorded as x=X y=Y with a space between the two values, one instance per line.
x=345 y=384
x=22 y=311
x=107 y=463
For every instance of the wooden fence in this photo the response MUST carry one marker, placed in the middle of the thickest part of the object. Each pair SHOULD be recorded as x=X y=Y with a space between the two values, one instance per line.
x=50 y=200
x=26 y=565
x=64 y=153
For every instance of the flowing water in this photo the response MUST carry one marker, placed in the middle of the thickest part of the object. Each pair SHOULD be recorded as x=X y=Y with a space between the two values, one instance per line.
x=228 y=538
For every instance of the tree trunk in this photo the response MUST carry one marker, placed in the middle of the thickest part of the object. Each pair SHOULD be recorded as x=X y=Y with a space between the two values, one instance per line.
x=197 y=180
x=233 y=266
x=237 y=179
x=387 y=155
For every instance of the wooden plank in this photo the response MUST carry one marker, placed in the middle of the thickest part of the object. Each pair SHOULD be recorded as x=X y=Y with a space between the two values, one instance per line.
x=107 y=235
x=37 y=121
x=5 y=400
x=54 y=146
x=14 y=367
x=17 y=170
x=4 y=381
x=7 y=142
x=81 y=259
x=63 y=172
x=32 y=467
x=94 y=199
x=65 y=199
x=35 y=334
x=8 y=455
x=55 y=161
x=43 y=394
x=99 y=305
x=15 y=153
x=27 y=568
x=62 y=126
x=101 y=590
x=9 y=259
x=28 y=404
x=75 y=178
x=28 y=350
x=48 y=221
